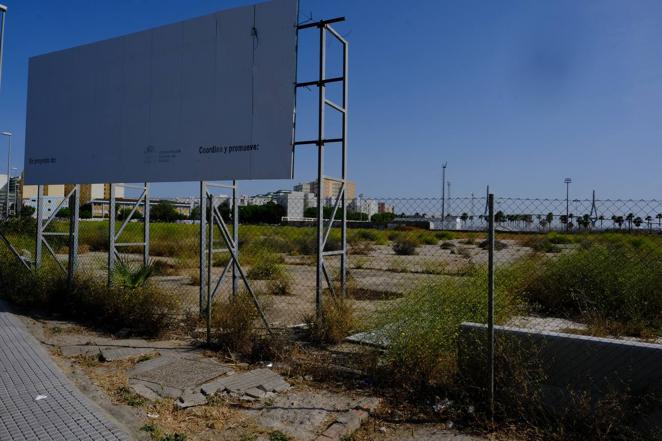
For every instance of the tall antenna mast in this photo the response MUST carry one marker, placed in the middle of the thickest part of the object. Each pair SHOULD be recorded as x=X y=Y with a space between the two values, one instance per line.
x=443 y=192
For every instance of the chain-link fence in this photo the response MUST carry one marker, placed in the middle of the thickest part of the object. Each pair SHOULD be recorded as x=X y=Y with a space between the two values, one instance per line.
x=577 y=293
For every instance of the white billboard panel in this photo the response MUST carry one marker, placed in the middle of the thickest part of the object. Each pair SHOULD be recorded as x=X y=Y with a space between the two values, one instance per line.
x=210 y=98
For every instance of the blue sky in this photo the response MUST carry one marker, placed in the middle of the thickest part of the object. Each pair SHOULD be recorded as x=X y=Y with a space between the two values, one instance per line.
x=515 y=94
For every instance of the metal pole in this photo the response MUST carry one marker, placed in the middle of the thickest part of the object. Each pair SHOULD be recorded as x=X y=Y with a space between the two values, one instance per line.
x=40 y=238
x=443 y=193
x=345 y=103
x=74 y=207
x=203 y=237
x=3 y=11
x=235 y=237
x=8 y=176
x=567 y=203
x=490 y=304
x=111 y=234
x=210 y=252
x=146 y=225
x=320 y=172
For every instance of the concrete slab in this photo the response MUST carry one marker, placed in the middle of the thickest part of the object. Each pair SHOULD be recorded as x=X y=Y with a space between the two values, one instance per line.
x=315 y=415
x=76 y=350
x=177 y=377
x=122 y=353
x=265 y=380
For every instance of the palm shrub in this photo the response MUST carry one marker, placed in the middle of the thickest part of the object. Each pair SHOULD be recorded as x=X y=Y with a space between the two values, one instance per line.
x=131 y=276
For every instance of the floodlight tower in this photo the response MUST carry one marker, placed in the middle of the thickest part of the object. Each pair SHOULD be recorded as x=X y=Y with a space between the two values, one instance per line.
x=3 y=11
x=567 y=182
x=8 y=135
x=443 y=192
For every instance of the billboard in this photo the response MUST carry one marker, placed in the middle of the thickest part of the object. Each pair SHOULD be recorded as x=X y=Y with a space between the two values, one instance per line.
x=211 y=98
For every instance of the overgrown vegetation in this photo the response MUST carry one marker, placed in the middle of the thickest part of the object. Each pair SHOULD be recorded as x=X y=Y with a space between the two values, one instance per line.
x=422 y=328
x=615 y=285
x=141 y=310
x=405 y=246
x=336 y=321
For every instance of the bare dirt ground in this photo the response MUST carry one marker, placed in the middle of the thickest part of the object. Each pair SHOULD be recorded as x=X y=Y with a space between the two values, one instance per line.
x=305 y=412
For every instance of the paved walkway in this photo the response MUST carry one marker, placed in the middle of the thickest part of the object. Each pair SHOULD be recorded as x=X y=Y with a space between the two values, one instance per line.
x=37 y=402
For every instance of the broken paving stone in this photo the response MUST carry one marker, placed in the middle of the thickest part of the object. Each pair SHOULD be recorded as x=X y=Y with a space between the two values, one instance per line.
x=191 y=399
x=264 y=380
x=144 y=392
x=76 y=350
x=172 y=377
x=121 y=353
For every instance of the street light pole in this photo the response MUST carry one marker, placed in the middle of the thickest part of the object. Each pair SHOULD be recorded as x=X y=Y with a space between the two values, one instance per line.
x=567 y=182
x=3 y=11
x=443 y=193
x=8 y=135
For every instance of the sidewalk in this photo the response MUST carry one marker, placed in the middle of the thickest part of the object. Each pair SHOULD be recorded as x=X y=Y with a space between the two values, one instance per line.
x=37 y=402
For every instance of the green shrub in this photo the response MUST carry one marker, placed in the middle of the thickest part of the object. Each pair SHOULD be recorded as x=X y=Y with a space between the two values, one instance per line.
x=444 y=235
x=498 y=245
x=265 y=268
x=423 y=326
x=615 y=284
x=427 y=238
x=447 y=246
x=142 y=310
x=335 y=323
x=280 y=284
x=234 y=320
x=405 y=246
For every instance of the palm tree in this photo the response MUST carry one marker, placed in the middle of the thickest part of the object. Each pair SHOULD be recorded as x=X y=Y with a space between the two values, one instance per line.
x=649 y=219
x=629 y=218
x=601 y=218
x=637 y=221
x=659 y=220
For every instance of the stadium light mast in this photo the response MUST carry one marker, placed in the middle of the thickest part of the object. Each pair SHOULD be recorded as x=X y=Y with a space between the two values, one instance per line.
x=443 y=192
x=3 y=11
x=8 y=135
x=567 y=182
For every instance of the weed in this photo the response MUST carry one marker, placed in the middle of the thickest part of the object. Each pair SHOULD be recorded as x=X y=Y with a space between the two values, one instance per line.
x=234 y=320
x=127 y=396
x=362 y=247
x=335 y=322
x=447 y=245
x=444 y=235
x=427 y=238
x=278 y=436
x=405 y=246
x=266 y=268
x=498 y=245
x=280 y=284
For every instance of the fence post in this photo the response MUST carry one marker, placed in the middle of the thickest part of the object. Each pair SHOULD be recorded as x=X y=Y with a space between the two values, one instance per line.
x=111 y=234
x=146 y=225
x=490 y=304
x=74 y=207
x=203 y=245
x=39 y=238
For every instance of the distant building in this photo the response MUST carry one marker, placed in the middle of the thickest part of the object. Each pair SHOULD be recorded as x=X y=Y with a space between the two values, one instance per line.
x=330 y=189
x=366 y=206
x=383 y=207
x=88 y=192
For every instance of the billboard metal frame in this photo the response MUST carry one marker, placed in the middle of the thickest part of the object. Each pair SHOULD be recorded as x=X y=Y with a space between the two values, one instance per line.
x=323 y=231
x=42 y=235
x=208 y=224
x=114 y=237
